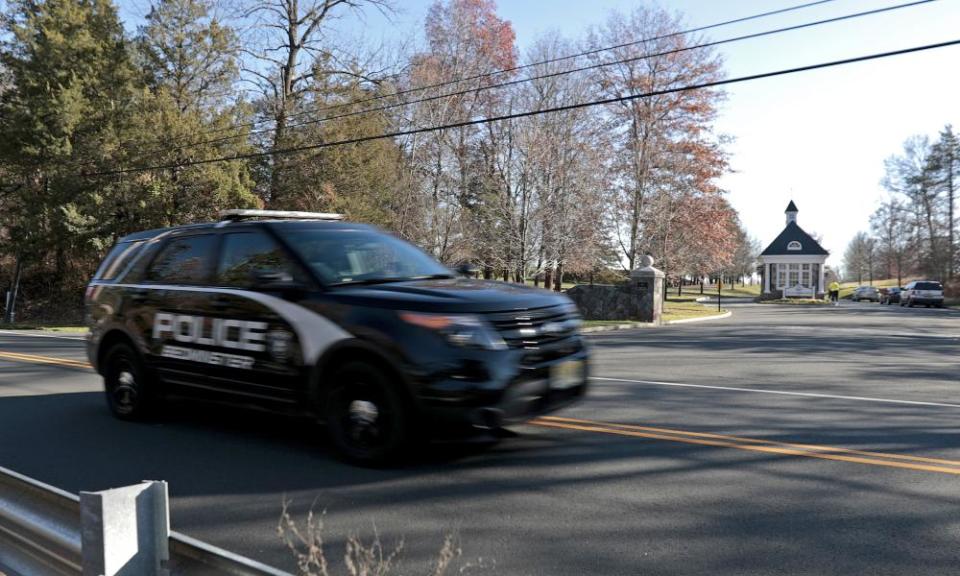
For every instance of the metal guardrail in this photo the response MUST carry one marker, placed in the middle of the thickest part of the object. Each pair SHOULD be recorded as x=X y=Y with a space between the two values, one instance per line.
x=45 y=530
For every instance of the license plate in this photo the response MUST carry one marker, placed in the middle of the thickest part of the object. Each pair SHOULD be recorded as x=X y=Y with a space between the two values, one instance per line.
x=566 y=374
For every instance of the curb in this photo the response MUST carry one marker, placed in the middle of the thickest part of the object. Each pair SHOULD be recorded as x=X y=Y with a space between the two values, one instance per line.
x=726 y=314
x=630 y=325
x=611 y=327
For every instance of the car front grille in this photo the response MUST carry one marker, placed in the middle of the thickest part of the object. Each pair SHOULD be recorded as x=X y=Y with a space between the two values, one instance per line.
x=532 y=329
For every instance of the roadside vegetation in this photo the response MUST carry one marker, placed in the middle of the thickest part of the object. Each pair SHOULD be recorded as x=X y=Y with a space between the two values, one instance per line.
x=913 y=234
x=46 y=328
x=797 y=301
x=361 y=557
x=109 y=130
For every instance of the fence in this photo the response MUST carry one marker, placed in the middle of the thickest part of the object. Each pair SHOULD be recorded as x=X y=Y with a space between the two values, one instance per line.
x=119 y=532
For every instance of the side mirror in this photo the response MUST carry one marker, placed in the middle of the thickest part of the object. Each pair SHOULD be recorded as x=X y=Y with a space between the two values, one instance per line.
x=467 y=269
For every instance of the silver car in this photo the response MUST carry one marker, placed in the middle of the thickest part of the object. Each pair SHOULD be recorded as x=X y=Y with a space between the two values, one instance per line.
x=927 y=292
x=865 y=293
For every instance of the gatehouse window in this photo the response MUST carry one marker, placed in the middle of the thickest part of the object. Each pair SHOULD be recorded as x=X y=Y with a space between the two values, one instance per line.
x=794 y=245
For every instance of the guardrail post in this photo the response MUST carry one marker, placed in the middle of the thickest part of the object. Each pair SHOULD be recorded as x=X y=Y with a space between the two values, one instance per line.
x=126 y=531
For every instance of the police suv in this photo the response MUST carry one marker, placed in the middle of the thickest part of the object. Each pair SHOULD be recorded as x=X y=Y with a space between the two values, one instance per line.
x=304 y=313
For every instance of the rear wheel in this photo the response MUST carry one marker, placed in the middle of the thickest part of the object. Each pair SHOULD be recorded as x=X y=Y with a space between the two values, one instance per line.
x=128 y=386
x=367 y=418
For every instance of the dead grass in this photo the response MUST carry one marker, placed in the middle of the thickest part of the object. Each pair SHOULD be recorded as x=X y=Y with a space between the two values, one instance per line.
x=798 y=302
x=360 y=558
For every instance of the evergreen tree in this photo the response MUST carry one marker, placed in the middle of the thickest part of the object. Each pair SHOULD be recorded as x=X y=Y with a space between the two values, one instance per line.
x=189 y=53
x=71 y=91
x=945 y=165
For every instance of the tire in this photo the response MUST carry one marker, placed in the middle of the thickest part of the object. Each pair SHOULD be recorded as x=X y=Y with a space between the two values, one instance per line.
x=367 y=418
x=129 y=388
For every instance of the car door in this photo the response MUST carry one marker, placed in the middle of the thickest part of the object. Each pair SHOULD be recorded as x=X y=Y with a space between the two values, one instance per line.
x=255 y=288
x=169 y=306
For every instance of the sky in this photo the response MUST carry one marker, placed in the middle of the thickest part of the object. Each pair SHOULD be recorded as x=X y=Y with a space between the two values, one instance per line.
x=819 y=138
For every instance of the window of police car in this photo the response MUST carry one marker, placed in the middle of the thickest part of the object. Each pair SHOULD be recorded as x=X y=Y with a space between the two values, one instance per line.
x=185 y=260
x=117 y=260
x=360 y=256
x=245 y=256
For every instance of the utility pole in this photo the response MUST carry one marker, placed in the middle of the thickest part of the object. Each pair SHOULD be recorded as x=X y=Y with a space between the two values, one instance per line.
x=9 y=315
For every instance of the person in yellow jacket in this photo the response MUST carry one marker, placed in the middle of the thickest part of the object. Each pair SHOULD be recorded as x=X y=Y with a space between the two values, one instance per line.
x=835 y=293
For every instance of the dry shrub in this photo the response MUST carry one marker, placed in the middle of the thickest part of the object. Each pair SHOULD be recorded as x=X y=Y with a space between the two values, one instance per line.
x=306 y=543
x=951 y=289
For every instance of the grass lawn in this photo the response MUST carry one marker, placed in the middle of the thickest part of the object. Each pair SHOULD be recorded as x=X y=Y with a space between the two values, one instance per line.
x=45 y=328
x=685 y=308
x=798 y=302
x=563 y=285
x=728 y=291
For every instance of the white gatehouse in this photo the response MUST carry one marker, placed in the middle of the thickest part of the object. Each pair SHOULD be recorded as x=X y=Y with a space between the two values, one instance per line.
x=793 y=264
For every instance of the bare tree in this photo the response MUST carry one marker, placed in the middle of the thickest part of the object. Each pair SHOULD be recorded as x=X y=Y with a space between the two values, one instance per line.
x=892 y=228
x=647 y=127
x=290 y=50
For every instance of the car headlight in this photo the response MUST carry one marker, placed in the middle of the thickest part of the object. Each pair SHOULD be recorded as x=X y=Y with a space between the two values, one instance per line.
x=464 y=330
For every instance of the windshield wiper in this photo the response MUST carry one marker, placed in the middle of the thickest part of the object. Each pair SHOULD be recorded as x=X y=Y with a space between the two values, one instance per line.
x=432 y=277
x=368 y=281
x=388 y=280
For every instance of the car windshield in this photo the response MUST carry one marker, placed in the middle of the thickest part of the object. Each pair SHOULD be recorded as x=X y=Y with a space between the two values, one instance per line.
x=344 y=256
x=929 y=286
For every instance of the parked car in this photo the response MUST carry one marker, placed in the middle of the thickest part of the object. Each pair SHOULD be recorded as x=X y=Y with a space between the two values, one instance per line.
x=890 y=295
x=929 y=292
x=865 y=293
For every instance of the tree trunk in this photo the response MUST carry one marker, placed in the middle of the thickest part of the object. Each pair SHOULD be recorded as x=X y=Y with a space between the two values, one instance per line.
x=951 y=252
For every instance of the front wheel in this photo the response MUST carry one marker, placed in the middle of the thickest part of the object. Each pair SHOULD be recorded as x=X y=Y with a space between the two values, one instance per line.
x=366 y=417
x=128 y=386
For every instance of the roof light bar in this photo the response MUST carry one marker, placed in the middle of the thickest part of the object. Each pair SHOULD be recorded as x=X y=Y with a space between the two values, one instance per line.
x=238 y=214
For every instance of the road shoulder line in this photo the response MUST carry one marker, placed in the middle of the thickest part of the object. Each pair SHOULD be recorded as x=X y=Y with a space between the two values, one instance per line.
x=780 y=392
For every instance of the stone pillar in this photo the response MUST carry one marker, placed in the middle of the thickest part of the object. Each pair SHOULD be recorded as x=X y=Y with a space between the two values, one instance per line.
x=648 y=282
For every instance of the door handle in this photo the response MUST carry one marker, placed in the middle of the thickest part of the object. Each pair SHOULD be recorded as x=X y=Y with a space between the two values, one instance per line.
x=139 y=295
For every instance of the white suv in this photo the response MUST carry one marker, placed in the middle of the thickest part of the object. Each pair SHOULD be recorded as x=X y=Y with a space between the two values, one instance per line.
x=926 y=292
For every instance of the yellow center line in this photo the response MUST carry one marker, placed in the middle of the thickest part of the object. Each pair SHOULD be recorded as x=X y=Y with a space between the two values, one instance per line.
x=808 y=447
x=37 y=359
x=754 y=445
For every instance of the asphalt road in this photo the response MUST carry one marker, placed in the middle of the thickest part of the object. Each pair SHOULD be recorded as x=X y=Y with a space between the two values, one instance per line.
x=784 y=440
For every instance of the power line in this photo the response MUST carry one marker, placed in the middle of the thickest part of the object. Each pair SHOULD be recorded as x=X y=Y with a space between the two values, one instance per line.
x=506 y=71
x=579 y=54
x=561 y=72
x=529 y=113
x=617 y=62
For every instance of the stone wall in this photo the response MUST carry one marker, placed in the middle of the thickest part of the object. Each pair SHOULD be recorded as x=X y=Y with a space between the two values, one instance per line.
x=640 y=299
x=612 y=302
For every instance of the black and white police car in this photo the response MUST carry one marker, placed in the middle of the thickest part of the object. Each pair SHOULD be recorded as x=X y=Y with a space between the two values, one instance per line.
x=304 y=313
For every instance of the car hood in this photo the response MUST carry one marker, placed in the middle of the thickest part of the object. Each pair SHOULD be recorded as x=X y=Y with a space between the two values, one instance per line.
x=449 y=295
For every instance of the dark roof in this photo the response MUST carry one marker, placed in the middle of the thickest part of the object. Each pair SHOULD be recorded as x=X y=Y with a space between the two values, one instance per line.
x=148 y=234
x=791 y=207
x=332 y=224
x=810 y=247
